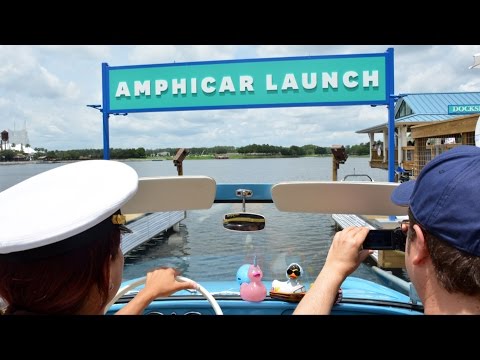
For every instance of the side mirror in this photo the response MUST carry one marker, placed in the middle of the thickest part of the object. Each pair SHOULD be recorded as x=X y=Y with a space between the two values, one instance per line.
x=244 y=221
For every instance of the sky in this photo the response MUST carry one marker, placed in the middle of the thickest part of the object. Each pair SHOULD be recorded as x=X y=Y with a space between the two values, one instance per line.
x=46 y=89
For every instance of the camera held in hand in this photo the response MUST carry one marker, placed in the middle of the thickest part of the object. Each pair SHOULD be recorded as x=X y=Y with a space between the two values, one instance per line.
x=383 y=239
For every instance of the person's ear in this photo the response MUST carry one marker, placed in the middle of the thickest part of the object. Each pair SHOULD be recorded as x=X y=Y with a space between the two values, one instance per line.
x=419 y=246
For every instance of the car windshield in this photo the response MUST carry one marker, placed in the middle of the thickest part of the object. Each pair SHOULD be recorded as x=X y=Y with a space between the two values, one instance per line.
x=203 y=250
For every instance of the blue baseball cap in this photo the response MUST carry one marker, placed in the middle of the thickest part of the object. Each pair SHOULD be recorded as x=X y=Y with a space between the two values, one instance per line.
x=445 y=198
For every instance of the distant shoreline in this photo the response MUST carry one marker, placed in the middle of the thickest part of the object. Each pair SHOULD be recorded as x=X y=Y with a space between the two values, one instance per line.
x=34 y=162
x=19 y=162
x=158 y=159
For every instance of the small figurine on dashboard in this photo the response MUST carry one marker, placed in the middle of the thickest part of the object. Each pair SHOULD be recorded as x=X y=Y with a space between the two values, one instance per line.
x=291 y=290
x=255 y=290
x=292 y=285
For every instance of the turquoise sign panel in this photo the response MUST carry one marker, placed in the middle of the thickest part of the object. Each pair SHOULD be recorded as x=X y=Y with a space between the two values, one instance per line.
x=302 y=81
x=463 y=109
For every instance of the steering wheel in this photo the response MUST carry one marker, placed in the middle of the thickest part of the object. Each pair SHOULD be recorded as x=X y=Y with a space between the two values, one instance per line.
x=141 y=281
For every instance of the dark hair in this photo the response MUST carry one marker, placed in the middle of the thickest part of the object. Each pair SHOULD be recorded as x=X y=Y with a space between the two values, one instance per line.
x=60 y=284
x=456 y=270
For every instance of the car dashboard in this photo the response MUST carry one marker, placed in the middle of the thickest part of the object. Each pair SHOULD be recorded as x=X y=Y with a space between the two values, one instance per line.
x=377 y=300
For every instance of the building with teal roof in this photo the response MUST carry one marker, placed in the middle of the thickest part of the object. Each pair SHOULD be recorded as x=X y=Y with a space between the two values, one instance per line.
x=411 y=111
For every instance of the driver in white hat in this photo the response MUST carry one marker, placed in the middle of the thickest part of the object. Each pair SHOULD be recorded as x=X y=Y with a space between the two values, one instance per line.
x=61 y=253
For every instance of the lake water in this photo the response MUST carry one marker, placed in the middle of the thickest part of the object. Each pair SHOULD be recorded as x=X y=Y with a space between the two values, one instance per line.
x=287 y=237
x=226 y=170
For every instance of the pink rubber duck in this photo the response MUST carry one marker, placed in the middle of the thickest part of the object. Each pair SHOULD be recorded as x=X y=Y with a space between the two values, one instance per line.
x=254 y=290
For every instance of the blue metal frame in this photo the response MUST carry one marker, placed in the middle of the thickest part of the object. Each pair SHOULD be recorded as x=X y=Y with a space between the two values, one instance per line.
x=105 y=111
x=390 y=97
x=391 y=114
x=227 y=192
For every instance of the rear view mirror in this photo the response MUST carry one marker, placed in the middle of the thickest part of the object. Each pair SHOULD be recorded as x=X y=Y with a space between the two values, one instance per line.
x=244 y=221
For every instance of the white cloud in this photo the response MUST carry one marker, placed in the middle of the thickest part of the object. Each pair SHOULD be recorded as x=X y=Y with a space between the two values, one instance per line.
x=158 y=54
x=48 y=88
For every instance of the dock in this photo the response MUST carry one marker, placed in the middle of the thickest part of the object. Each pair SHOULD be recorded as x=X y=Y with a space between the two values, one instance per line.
x=385 y=259
x=146 y=226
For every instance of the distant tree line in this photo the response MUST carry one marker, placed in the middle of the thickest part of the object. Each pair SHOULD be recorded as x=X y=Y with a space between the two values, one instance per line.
x=142 y=153
x=267 y=150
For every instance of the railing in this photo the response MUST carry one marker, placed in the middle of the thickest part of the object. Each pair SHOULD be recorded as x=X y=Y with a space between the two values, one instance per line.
x=381 y=162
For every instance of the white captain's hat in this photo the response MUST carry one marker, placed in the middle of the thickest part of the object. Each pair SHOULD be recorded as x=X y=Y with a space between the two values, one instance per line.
x=63 y=203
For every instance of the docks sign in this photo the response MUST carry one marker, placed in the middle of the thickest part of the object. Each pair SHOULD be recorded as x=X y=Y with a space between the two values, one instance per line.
x=463 y=109
x=269 y=82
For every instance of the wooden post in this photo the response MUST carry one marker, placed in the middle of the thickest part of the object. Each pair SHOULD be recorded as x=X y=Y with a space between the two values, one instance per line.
x=178 y=160
x=335 y=166
x=180 y=169
x=339 y=157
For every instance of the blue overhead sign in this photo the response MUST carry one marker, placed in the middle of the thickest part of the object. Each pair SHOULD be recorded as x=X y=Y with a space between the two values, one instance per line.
x=463 y=109
x=277 y=82
x=329 y=80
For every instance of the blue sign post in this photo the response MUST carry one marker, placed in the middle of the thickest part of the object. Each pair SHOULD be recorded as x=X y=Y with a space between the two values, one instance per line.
x=391 y=115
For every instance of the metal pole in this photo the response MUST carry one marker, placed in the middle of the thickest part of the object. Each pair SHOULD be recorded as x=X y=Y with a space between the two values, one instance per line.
x=391 y=115
x=106 y=141
x=105 y=111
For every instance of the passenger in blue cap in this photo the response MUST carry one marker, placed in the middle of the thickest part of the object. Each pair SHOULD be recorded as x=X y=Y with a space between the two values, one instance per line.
x=442 y=254
x=61 y=255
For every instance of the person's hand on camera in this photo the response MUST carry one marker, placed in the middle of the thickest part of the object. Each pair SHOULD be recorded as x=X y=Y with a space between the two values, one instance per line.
x=346 y=254
x=344 y=257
